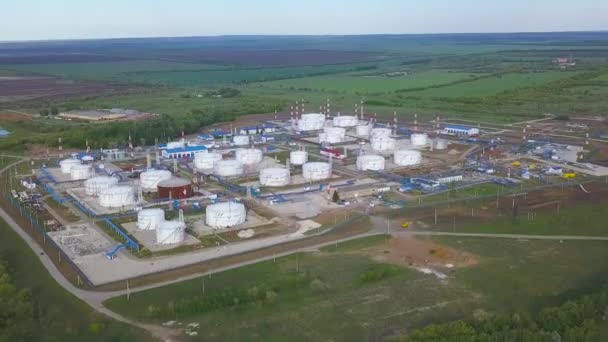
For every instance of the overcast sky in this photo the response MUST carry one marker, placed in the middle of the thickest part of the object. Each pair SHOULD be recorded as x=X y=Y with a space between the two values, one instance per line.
x=68 y=19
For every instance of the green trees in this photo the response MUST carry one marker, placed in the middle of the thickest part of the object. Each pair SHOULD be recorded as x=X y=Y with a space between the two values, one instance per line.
x=577 y=320
x=16 y=310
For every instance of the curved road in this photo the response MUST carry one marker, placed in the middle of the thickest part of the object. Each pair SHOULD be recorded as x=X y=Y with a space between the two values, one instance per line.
x=95 y=298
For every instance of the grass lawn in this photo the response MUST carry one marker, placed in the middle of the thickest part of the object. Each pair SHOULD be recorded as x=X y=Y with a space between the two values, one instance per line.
x=362 y=299
x=369 y=84
x=61 y=316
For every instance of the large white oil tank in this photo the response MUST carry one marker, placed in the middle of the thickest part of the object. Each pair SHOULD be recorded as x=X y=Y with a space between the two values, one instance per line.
x=381 y=132
x=117 y=196
x=150 y=219
x=228 y=168
x=332 y=135
x=224 y=215
x=407 y=157
x=440 y=144
x=383 y=144
x=275 y=176
x=345 y=121
x=93 y=186
x=176 y=144
x=249 y=156
x=79 y=172
x=241 y=140
x=67 y=164
x=311 y=122
x=315 y=171
x=370 y=162
x=419 y=139
x=170 y=232
x=298 y=157
x=149 y=180
x=206 y=160
x=364 y=130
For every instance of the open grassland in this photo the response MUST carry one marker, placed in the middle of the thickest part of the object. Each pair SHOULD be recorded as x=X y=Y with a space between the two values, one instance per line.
x=344 y=294
x=57 y=315
x=369 y=84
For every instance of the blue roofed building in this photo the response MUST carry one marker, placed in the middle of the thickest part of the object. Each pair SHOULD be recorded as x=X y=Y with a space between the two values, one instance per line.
x=182 y=152
x=461 y=130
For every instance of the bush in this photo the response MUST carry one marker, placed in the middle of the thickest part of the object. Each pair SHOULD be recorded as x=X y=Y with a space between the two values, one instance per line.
x=318 y=285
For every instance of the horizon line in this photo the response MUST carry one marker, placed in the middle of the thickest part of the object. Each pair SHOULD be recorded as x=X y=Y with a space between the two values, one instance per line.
x=295 y=35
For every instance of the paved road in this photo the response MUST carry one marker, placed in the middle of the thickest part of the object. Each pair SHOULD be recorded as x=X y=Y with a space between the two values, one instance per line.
x=513 y=236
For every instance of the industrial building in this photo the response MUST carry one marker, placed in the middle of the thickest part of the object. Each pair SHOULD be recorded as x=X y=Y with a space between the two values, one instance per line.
x=182 y=152
x=362 y=190
x=461 y=130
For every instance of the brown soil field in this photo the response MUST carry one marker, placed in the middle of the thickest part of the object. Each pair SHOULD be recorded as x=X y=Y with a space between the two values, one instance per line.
x=27 y=88
x=9 y=115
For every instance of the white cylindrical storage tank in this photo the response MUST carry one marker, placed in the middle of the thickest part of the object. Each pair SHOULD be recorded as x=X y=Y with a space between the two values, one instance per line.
x=117 y=196
x=407 y=157
x=67 y=164
x=311 y=122
x=441 y=144
x=275 y=176
x=383 y=144
x=316 y=171
x=370 y=162
x=150 y=219
x=94 y=185
x=224 y=215
x=249 y=156
x=206 y=160
x=419 y=139
x=228 y=168
x=149 y=180
x=79 y=172
x=332 y=135
x=298 y=157
x=364 y=130
x=345 y=121
x=381 y=132
x=170 y=232
x=241 y=140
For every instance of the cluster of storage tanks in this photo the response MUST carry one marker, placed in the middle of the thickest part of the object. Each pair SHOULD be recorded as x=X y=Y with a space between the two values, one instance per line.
x=311 y=122
x=167 y=232
x=75 y=169
x=316 y=171
x=345 y=121
x=149 y=180
x=370 y=163
x=275 y=176
x=206 y=160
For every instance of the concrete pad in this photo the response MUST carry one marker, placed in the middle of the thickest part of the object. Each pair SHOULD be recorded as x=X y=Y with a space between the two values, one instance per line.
x=81 y=240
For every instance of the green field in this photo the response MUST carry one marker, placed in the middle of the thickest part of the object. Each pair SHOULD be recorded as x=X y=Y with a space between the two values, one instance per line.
x=57 y=316
x=494 y=85
x=354 y=298
x=369 y=84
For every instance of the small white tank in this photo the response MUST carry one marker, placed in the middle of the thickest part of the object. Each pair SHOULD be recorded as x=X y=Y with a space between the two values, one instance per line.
x=170 y=232
x=116 y=196
x=249 y=156
x=407 y=157
x=275 y=176
x=80 y=172
x=149 y=180
x=224 y=215
x=345 y=121
x=419 y=139
x=315 y=171
x=311 y=122
x=381 y=132
x=67 y=164
x=206 y=160
x=370 y=162
x=93 y=186
x=241 y=140
x=364 y=130
x=150 y=219
x=440 y=144
x=383 y=144
x=298 y=157
x=228 y=168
